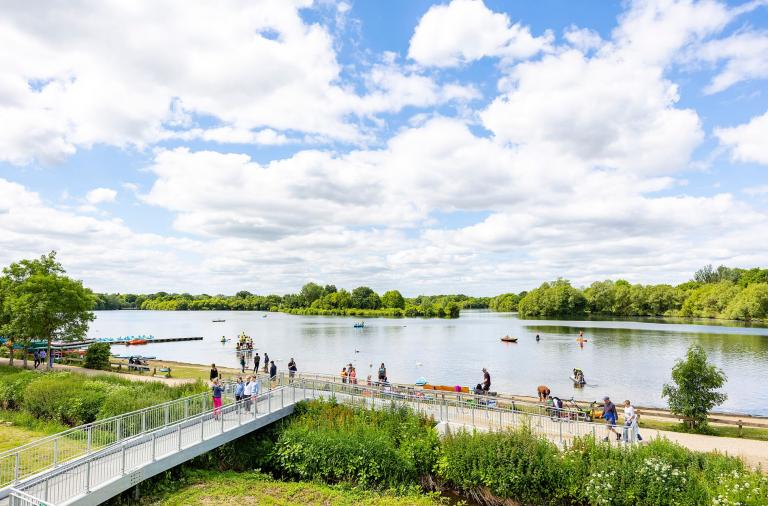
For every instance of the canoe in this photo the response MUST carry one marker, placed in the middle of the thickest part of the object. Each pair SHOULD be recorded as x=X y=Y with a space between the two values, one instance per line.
x=577 y=383
x=421 y=381
x=359 y=325
x=508 y=339
x=218 y=321
x=137 y=341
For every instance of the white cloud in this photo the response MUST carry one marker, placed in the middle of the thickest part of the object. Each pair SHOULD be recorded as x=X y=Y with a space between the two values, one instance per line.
x=583 y=39
x=745 y=55
x=747 y=142
x=756 y=190
x=466 y=30
x=111 y=73
x=100 y=196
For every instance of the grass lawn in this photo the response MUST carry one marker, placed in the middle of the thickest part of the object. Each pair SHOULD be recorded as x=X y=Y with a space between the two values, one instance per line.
x=228 y=487
x=713 y=430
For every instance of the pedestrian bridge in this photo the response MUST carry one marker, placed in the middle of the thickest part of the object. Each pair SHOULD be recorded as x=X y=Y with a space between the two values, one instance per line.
x=89 y=464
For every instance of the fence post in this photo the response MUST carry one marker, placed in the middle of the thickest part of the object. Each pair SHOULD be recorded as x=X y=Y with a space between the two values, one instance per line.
x=16 y=467
x=186 y=408
x=143 y=421
x=472 y=408
x=179 y=437
x=561 y=432
x=88 y=477
x=269 y=401
x=90 y=438
x=282 y=397
x=221 y=414
x=202 y=427
x=122 y=460
x=118 y=430
x=166 y=414
x=55 y=452
x=154 y=437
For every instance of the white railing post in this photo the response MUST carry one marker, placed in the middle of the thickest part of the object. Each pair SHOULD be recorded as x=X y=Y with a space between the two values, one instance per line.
x=179 y=438
x=55 y=452
x=118 y=430
x=221 y=414
x=202 y=428
x=90 y=437
x=269 y=401
x=282 y=397
x=143 y=421
x=186 y=408
x=122 y=460
x=166 y=414
x=154 y=438
x=16 y=467
x=88 y=477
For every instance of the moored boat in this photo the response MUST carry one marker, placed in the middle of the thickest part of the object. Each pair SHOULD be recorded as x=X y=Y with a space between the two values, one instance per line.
x=508 y=339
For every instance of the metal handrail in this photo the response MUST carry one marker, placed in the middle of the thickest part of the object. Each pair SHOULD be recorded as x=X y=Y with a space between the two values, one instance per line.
x=51 y=451
x=76 y=477
x=19 y=498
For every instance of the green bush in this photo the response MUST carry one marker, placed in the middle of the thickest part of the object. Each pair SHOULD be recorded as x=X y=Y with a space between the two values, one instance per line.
x=520 y=466
x=97 y=356
x=13 y=381
x=333 y=443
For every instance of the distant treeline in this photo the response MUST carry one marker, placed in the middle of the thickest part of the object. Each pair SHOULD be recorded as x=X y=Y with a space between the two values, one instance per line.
x=730 y=293
x=312 y=299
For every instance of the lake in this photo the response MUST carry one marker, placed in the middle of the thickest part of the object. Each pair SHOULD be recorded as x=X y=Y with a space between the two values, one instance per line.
x=623 y=359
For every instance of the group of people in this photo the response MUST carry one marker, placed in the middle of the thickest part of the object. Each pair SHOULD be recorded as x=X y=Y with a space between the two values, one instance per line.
x=244 y=343
x=349 y=374
x=40 y=356
x=629 y=430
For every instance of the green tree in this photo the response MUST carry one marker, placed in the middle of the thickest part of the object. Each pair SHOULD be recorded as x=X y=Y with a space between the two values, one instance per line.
x=365 y=298
x=310 y=293
x=693 y=391
x=750 y=304
x=97 y=356
x=558 y=298
x=504 y=303
x=44 y=303
x=393 y=299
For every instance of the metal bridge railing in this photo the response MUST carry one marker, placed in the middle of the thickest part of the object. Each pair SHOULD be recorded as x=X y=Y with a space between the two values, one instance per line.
x=19 y=498
x=38 y=456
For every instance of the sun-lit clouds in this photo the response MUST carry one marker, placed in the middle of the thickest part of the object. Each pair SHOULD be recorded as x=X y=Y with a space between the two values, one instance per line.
x=747 y=142
x=114 y=73
x=560 y=156
x=745 y=55
x=466 y=30
x=100 y=196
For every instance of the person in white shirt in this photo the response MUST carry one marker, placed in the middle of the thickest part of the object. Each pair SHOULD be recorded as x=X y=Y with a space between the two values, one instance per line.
x=247 y=393
x=255 y=393
x=630 y=422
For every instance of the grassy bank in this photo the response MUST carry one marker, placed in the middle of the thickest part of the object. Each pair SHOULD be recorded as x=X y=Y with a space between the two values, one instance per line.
x=201 y=487
x=70 y=399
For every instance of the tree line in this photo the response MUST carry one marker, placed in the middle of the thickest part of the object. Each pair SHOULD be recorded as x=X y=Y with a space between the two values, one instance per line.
x=311 y=299
x=724 y=292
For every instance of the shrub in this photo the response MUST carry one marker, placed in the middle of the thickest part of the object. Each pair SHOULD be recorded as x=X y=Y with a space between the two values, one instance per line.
x=97 y=356
x=334 y=443
x=13 y=381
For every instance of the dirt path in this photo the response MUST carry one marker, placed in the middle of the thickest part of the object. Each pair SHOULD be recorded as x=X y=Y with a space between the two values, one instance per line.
x=92 y=372
x=754 y=453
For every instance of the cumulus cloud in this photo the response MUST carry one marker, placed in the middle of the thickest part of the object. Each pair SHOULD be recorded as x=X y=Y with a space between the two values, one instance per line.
x=110 y=73
x=466 y=30
x=747 y=142
x=100 y=196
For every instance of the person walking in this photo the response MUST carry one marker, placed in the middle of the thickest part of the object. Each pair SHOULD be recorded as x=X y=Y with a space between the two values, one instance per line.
x=217 y=391
x=242 y=363
x=272 y=371
x=256 y=361
x=610 y=416
x=247 y=392
x=214 y=372
x=239 y=392
x=36 y=354
x=292 y=369
x=631 y=429
x=266 y=361
x=255 y=389
x=382 y=373
x=43 y=355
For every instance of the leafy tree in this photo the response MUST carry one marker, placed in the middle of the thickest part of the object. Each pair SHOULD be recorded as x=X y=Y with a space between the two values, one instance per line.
x=311 y=292
x=504 y=303
x=44 y=303
x=97 y=356
x=693 y=391
x=749 y=304
x=243 y=294
x=558 y=298
x=365 y=298
x=392 y=299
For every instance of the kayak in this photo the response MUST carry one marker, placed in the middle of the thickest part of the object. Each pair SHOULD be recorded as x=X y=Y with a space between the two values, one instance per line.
x=508 y=339
x=137 y=341
x=218 y=321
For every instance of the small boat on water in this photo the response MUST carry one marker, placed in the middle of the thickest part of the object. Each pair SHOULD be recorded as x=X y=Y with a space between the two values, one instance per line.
x=508 y=339
x=137 y=341
x=218 y=321
x=359 y=325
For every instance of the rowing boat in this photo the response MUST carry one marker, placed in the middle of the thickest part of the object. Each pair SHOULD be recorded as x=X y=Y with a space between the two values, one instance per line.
x=508 y=339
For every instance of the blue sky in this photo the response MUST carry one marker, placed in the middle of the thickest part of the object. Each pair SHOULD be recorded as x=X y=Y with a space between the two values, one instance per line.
x=461 y=146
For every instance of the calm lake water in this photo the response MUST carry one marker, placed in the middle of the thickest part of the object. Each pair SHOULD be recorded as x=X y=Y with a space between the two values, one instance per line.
x=623 y=359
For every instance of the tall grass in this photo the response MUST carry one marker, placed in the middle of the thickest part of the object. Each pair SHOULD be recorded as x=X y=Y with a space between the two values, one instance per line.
x=73 y=399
